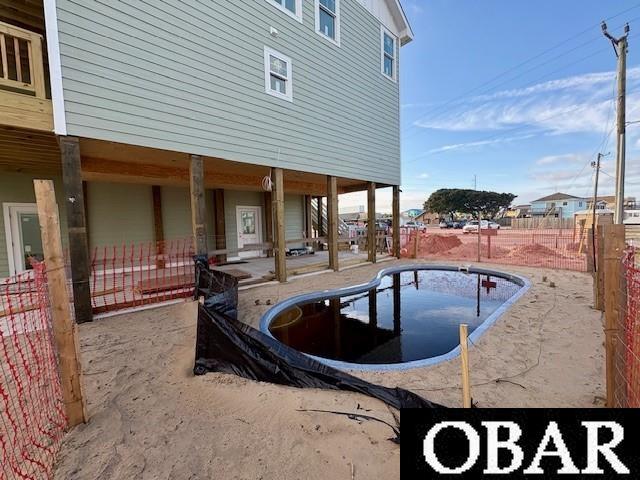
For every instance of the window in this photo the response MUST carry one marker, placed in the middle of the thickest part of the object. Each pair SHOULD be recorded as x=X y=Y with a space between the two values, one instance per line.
x=564 y=204
x=293 y=8
x=278 y=74
x=388 y=54
x=579 y=204
x=328 y=19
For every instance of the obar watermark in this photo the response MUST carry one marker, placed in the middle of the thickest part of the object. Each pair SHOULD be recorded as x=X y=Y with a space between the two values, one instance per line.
x=524 y=443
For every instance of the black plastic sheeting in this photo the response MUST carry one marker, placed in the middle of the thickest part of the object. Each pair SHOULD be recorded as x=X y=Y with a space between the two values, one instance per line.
x=224 y=344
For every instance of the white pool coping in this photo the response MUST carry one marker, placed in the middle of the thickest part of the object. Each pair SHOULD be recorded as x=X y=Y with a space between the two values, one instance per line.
x=277 y=309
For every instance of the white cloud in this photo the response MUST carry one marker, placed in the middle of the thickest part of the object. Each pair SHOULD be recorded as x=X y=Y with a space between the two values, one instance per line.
x=423 y=175
x=473 y=145
x=567 y=158
x=582 y=103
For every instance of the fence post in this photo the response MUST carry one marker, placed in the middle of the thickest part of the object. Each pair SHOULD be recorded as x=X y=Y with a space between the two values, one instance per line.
x=598 y=280
x=464 y=358
x=64 y=328
x=416 y=245
x=614 y=245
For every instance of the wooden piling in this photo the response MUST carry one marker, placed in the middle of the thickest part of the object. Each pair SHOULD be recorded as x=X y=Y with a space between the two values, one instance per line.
x=64 y=329
x=332 y=214
x=395 y=207
x=279 y=232
x=76 y=227
x=371 y=222
x=198 y=205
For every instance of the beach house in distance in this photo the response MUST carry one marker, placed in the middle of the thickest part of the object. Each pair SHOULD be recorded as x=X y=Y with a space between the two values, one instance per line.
x=162 y=119
x=559 y=205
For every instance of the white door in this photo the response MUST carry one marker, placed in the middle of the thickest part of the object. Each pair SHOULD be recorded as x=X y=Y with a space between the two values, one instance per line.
x=249 y=222
x=22 y=230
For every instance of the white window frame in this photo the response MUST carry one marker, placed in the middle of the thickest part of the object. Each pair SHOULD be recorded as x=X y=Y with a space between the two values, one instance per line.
x=267 y=74
x=396 y=51
x=317 y=7
x=297 y=15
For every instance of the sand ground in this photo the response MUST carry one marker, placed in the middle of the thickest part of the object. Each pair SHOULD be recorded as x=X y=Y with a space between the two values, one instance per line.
x=152 y=419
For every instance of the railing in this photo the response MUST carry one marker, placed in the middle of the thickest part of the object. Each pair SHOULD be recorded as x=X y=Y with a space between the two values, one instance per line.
x=21 y=61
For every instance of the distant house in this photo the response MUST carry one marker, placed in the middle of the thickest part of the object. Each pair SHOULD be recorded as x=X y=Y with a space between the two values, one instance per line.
x=518 y=211
x=428 y=218
x=412 y=213
x=609 y=201
x=558 y=205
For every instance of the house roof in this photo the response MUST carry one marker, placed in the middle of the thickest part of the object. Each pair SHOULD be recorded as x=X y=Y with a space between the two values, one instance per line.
x=398 y=12
x=557 y=196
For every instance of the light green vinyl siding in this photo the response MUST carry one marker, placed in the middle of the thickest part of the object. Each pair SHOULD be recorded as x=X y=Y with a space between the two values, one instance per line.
x=18 y=188
x=119 y=213
x=176 y=213
x=293 y=218
x=188 y=76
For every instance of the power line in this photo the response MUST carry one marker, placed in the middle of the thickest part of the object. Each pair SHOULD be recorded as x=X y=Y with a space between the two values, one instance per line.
x=501 y=75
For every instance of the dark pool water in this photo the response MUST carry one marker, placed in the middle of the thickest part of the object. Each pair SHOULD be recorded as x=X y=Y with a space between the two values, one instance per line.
x=409 y=316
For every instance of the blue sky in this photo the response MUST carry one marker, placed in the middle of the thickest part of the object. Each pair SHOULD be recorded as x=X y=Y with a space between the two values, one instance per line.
x=518 y=93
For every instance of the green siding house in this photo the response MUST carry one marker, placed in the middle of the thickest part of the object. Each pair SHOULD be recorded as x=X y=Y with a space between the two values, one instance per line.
x=133 y=106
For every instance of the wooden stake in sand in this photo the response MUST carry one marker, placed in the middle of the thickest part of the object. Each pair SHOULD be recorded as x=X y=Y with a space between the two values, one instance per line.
x=464 y=357
x=64 y=328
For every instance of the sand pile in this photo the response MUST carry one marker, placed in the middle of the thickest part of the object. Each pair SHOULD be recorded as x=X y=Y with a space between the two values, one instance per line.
x=438 y=243
x=533 y=249
x=470 y=251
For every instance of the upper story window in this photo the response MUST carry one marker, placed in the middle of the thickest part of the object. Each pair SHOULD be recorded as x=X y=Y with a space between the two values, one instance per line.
x=293 y=8
x=328 y=19
x=278 y=79
x=388 y=54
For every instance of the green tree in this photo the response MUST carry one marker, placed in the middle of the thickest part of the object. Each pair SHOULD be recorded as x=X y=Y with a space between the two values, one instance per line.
x=449 y=201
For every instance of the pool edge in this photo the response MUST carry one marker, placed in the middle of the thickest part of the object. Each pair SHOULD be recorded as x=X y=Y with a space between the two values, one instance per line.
x=270 y=314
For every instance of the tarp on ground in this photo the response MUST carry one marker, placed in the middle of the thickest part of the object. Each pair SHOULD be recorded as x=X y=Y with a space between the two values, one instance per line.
x=226 y=345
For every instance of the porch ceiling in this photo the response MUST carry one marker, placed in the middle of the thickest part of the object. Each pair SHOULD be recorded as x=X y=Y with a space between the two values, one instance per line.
x=28 y=151
x=38 y=153
x=114 y=162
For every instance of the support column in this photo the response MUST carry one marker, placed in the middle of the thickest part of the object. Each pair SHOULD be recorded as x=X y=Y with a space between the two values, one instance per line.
x=332 y=230
x=158 y=225
x=371 y=222
x=198 y=205
x=278 y=236
x=308 y=221
x=396 y=221
x=76 y=226
x=321 y=231
x=268 y=220
x=218 y=220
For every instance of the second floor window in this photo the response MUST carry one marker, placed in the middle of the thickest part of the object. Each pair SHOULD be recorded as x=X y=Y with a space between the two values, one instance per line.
x=388 y=54
x=328 y=19
x=293 y=8
x=278 y=74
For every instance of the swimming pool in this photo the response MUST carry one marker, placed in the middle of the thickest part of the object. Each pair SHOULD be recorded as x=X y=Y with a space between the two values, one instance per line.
x=405 y=317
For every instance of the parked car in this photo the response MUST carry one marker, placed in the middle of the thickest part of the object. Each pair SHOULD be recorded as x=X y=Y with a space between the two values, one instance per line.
x=460 y=224
x=411 y=225
x=472 y=226
x=444 y=224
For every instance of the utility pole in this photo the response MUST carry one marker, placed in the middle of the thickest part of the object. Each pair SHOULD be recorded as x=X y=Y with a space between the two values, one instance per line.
x=620 y=46
x=596 y=165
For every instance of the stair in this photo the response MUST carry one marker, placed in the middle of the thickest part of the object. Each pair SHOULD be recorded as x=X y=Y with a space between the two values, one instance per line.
x=343 y=228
